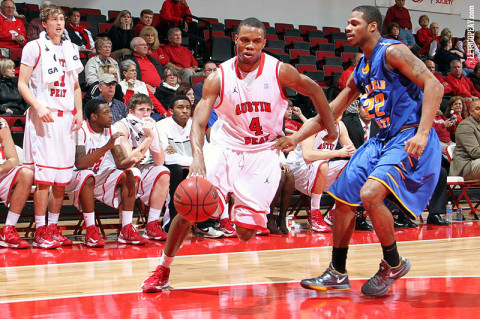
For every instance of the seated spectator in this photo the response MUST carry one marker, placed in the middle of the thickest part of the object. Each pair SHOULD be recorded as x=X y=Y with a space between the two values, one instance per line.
x=441 y=124
x=95 y=91
x=393 y=30
x=130 y=86
x=475 y=77
x=434 y=44
x=187 y=90
x=12 y=31
x=342 y=82
x=447 y=88
x=181 y=57
x=461 y=85
x=432 y=37
x=291 y=126
x=399 y=14
x=103 y=46
x=208 y=68
x=107 y=92
x=169 y=85
x=466 y=157
x=445 y=54
x=470 y=60
x=148 y=69
x=35 y=27
x=171 y=15
x=11 y=102
x=150 y=35
x=423 y=34
x=77 y=33
x=121 y=34
x=456 y=112
x=146 y=19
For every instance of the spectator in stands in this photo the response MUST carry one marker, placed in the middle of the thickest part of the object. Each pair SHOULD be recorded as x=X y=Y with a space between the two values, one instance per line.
x=291 y=126
x=35 y=26
x=208 y=68
x=456 y=112
x=393 y=30
x=187 y=90
x=130 y=86
x=12 y=31
x=121 y=34
x=447 y=88
x=169 y=85
x=78 y=34
x=11 y=102
x=441 y=124
x=466 y=157
x=95 y=91
x=427 y=40
x=146 y=19
x=461 y=85
x=475 y=77
x=423 y=34
x=181 y=58
x=346 y=73
x=434 y=44
x=107 y=91
x=150 y=35
x=171 y=15
x=399 y=14
x=445 y=54
x=103 y=46
x=470 y=60
x=148 y=69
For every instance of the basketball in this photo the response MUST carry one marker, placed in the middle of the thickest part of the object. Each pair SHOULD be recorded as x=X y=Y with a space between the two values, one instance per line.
x=196 y=199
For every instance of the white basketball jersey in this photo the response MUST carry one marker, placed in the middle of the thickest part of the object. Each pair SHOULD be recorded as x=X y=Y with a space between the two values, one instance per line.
x=136 y=135
x=251 y=115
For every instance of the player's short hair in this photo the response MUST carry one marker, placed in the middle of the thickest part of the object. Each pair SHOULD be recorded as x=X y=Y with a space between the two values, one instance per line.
x=253 y=22
x=146 y=11
x=51 y=10
x=177 y=98
x=139 y=98
x=370 y=14
x=92 y=106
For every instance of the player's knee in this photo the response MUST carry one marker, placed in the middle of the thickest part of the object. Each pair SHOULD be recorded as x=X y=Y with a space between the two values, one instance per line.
x=58 y=190
x=89 y=183
x=369 y=197
x=324 y=169
x=25 y=177
x=128 y=181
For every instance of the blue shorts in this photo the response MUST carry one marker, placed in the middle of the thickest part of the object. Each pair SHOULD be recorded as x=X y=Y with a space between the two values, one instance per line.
x=410 y=180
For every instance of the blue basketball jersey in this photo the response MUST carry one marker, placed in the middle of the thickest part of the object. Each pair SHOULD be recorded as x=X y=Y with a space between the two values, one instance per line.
x=390 y=98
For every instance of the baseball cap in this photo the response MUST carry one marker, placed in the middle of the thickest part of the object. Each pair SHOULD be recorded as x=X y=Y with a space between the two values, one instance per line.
x=107 y=78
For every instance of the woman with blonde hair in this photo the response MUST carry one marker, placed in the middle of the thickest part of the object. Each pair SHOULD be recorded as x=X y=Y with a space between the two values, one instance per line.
x=121 y=34
x=150 y=35
x=11 y=102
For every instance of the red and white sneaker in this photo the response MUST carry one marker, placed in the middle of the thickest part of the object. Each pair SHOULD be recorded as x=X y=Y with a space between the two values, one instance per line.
x=93 y=238
x=328 y=218
x=226 y=227
x=129 y=235
x=44 y=240
x=56 y=234
x=157 y=281
x=10 y=238
x=154 y=231
x=316 y=222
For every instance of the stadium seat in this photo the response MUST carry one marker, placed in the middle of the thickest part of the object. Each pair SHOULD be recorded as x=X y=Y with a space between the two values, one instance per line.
x=221 y=49
x=288 y=40
x=328 y=30
x=292 y=33
x=303 y=68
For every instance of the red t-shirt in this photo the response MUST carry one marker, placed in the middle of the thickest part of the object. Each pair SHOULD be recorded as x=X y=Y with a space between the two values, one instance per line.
x=398 y=15
x=462 y=86
x=5 y=35
x=174 y=12
x=292 y=125
x=149 y=72
x=180 y=56
x=159 y=55
x=342 y=82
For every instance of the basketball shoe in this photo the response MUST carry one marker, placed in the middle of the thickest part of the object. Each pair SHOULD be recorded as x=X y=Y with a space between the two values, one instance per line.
x=328 y=218
x=154 y=231
x=316 y=222
x=157 y=281
x=10 y=238
x=379 y=284
x=330 y=280
x=44 y=240
x=129 y=235
x=56 y=234
x=208 y=232
x=226 y=228
x=93 y=238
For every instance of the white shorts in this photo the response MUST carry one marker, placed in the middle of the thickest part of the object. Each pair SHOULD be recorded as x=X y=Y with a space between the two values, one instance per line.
x=251 y=177
x=150 y=173
x=105 y=190
x=6 y=182
x=49 y=148
x=306 y=174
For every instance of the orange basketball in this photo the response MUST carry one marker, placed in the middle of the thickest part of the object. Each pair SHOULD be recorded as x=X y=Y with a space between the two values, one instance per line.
x=196 y=199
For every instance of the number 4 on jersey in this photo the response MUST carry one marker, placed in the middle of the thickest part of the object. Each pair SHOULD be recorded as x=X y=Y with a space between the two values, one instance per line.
x=256 y=127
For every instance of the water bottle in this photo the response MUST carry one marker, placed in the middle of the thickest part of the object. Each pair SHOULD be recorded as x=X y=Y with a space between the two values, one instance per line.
x=449 y=212
x=459 y=215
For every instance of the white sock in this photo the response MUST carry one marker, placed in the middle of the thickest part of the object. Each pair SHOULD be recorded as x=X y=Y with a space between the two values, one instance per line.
x=89 y=219
x=315 y=200
x=166 y=261
x=12 y=218
x=153 y=214
x=53 y=218
x=39 y=221
x=127 y=217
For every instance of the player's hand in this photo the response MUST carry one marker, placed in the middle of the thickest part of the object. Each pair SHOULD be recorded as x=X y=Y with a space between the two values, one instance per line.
x=198 y=167
x=286 y=169
x=148 y=128
x=111 y=142
x=332 y=134
x=416 y=145
x=170 y=150
x=285 y=144
x=137 y=158
x=77 y=122
x=45 y=114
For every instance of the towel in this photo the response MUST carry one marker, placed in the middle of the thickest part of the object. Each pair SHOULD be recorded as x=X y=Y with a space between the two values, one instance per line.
x=51 y=66
x=136 y=127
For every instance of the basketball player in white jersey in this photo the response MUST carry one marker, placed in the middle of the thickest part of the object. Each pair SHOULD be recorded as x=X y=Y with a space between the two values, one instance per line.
x=247 y=93
x=315 y=173
x=48 y=81
x=155 y=179
x=98 y=154
x=15 y=184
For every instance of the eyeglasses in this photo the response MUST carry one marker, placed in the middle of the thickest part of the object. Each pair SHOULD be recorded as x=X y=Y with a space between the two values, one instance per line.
x=8 y=7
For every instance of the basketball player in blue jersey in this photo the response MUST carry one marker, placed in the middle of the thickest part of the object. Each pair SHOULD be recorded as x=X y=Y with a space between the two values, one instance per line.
x=401 y=164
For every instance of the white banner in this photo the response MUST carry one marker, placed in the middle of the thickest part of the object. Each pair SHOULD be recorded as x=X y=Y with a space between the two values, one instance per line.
x=440 y=6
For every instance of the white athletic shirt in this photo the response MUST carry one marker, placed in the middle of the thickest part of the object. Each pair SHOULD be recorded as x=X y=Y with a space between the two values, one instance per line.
x=93 y=141
x=58 y=95
x=136 y=136
x=172 y=134
x=250 y=116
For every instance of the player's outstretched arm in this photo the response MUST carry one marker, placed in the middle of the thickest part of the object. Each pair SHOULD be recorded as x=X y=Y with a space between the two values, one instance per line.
x=345 y=97
x=8 y=146
x=400 y=58
x=211 y=89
